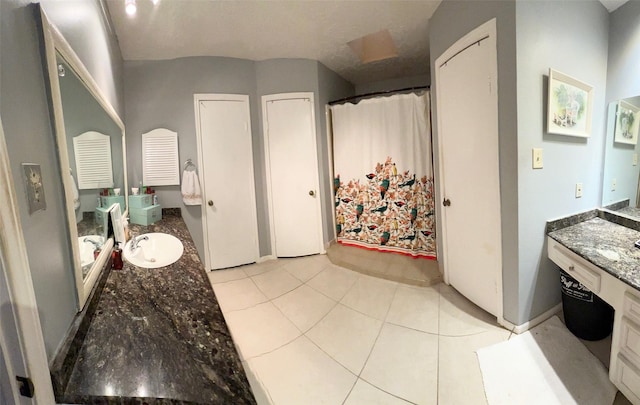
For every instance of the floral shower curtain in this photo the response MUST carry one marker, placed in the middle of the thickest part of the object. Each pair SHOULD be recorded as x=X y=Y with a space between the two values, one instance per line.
x=383 y=183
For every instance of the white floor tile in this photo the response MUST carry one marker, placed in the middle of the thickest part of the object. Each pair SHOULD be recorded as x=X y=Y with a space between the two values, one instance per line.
x=404 y=363
x=457 y=361
x=259 y=268
x=300 y=373
x=258 y=389
x=460 y=317
x=238 y=294
x=304 y=306
x=305 y=268
x=415 y=308
x=333 y=281
x=371 y=296
x=222 y=276
x=276 y=283
x=366 y=394
x=347 y=336
x=260 y=329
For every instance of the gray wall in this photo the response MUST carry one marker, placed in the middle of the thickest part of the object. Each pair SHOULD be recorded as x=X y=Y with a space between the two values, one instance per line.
x=304 y=75
x=84 y=26
x=451 y=21
x=30 y=138
x=623 y=81
x=393 y=84
x=29 y=134
x=83 y=113
x=331 y=87
x=159 y=94
x=571 y=37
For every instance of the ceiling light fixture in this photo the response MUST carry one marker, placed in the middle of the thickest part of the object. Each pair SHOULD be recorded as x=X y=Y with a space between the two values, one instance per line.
x=155 y=2
x=130 y=7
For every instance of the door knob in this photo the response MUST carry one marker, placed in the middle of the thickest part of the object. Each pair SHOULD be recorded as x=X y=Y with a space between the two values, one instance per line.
x=312 y=193
x=210 y=203
x=446 y=202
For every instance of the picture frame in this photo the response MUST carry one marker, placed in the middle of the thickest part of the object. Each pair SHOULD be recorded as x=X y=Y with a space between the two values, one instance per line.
x=627 y=123
x=569 y=106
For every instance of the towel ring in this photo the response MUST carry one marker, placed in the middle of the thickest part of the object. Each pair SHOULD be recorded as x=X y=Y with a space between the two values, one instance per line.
x=189 y=163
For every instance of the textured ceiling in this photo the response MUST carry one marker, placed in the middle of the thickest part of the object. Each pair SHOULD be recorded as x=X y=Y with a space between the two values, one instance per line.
x=266 y=29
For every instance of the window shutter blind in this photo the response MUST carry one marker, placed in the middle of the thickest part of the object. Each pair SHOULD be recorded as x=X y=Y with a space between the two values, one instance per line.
x=160 y=158
x=93 y=160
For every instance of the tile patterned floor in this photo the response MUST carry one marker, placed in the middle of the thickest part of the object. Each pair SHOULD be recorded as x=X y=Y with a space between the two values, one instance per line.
x=310 y=332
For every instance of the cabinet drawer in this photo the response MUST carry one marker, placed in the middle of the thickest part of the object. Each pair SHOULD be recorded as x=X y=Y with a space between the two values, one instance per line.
x=630 y=339
x=631 y=307
x=628 y=379
x=572 y=264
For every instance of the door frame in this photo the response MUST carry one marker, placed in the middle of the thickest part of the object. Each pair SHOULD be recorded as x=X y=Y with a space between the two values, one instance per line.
x=488 y=32
x=197 y=98
x=267 y=163
x=17 y=275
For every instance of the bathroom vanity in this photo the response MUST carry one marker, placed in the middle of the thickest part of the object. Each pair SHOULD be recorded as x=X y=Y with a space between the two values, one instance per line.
x=155 y=336
x=596 y=249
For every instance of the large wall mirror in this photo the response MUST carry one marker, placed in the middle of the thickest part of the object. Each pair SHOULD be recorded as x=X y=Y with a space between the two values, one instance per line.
x=621 y=173
x=91 y=147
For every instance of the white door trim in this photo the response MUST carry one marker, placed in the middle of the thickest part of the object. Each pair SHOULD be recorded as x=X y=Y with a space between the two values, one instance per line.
x=329 y=125
x=220 y=97
x=267 y=162
x=17 y=274
x=488 y=31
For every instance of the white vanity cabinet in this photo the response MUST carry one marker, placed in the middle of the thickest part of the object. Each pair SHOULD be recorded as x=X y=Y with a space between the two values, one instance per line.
x=624 y=367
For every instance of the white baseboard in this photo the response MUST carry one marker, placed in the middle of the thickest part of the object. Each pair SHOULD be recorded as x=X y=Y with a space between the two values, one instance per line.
x=532 y=323
x=266 y=258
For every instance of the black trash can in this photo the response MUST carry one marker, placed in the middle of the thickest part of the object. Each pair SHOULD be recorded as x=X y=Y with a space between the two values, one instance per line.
x=585 y=314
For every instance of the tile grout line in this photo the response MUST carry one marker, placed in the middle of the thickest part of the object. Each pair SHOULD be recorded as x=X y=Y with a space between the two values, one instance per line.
x=438 y=345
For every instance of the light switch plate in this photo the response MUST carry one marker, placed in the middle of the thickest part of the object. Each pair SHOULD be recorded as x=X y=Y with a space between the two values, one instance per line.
x=614 y=183
x=635 y=159
x=578 y=190
x=537 y=158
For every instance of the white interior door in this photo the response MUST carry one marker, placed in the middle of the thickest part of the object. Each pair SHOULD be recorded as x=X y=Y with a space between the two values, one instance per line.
x=292 y=174
x=468 y=141
x=226 y=161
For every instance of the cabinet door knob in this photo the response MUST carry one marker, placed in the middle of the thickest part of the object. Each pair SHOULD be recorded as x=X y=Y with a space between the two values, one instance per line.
x=210 y=203
x=446 y=202
x=312 y=193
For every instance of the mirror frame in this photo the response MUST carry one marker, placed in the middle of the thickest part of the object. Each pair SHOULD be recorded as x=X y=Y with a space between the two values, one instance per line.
x=54 y=42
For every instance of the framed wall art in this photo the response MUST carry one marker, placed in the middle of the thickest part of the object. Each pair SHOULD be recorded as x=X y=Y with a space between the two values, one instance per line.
x=627 y=123
x=569 y=106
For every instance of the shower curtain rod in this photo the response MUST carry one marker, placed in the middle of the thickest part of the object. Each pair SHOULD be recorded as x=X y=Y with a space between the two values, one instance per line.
x=377 y=93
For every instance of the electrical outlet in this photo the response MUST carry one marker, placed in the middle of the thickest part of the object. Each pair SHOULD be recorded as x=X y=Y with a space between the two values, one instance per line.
x=537 y=158
x=635 y=159
x=614 y=183
x=578 y=190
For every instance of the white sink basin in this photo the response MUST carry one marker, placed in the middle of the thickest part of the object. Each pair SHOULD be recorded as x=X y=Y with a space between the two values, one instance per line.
x=159 y=250
x=87 y=248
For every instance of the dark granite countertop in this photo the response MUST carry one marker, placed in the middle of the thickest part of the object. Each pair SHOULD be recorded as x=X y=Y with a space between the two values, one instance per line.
x=605 y=244
x=158 y=337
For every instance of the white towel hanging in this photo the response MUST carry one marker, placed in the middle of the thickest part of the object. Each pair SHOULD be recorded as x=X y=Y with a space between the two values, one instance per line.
x=191 y=194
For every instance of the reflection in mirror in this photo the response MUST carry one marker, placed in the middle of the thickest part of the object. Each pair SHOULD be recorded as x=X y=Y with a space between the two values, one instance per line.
x=621 y=168
x=94 y=147
x=87 y=130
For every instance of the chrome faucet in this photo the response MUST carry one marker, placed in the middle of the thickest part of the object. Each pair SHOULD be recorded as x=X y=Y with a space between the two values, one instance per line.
x=93 y=242
x=135 y=241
